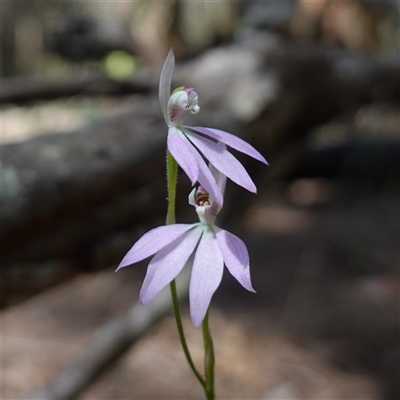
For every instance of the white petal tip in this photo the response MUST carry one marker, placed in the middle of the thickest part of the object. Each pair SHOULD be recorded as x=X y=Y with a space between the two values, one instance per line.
x=146 y=297
x=196 y=324
x=143 y=300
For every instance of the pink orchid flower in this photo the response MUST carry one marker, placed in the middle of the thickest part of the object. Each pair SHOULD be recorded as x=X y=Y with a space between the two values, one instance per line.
x=174 y=244
x=184 y=142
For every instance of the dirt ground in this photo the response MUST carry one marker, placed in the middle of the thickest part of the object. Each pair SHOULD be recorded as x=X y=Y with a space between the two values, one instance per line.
x=323 y=324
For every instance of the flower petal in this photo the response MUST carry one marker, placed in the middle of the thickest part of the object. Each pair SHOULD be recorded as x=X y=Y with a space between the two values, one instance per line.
x=231 y=141
x=207 y=180
x=236 y=257
x=182 y=151
x=220 y=178
x=206 y=276
x=188 y=158
x=167 y=264
x=164 y=89
x=153 y=241
x=224 y=161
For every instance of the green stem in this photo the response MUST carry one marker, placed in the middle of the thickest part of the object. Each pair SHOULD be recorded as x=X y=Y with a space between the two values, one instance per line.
x=209 y=359
x=172 y=178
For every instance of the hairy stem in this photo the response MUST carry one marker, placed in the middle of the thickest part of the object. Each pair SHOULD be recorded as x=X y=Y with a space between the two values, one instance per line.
x=172 y=180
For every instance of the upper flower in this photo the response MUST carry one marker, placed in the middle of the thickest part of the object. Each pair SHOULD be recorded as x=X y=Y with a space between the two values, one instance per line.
x=185 y=142
x=174 y=244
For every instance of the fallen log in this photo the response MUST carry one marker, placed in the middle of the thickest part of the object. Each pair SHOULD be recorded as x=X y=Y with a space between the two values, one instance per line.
x=46 y=173
x=62 y=193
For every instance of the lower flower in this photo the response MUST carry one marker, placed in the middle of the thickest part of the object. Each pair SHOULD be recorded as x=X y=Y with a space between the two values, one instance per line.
x=173 y=245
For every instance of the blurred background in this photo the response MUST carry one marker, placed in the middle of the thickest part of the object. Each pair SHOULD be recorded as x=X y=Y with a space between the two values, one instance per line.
x=314 y=86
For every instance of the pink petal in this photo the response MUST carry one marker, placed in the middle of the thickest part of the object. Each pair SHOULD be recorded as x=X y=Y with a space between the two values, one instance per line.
x=167 y=264
x=236 y=257
x=208 y=182
x=182 y=151
x=164 y=89
x=231 y=141
x=206 y=276
x=220 y=178
x=153 y=241
x=188 y=157
x=224 y=161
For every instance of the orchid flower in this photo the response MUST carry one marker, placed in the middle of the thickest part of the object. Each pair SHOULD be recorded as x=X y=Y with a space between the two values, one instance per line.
x=174 y=244
x=184 y=142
